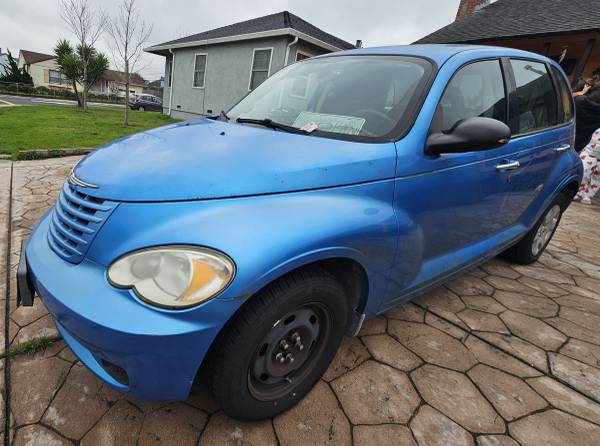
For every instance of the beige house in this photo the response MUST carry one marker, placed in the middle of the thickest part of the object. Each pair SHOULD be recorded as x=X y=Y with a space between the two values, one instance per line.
x=43 y=69
x=45 y=72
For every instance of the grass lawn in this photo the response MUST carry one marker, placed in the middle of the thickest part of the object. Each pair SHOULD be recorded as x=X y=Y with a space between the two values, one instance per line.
x=60 y=127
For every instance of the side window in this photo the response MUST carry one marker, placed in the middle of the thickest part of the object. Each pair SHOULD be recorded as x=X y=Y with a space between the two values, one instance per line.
x=199 y=70
x=565 y=98
x=476 y=89
x=536 y=105
x=261 y=65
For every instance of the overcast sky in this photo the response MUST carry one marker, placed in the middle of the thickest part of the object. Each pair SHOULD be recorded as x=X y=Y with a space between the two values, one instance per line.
x=35 y=25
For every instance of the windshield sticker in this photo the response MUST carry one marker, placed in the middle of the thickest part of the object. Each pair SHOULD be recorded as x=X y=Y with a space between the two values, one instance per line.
x=348 y=125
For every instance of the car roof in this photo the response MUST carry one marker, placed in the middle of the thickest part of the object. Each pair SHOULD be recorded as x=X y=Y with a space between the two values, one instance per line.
x=439 y=53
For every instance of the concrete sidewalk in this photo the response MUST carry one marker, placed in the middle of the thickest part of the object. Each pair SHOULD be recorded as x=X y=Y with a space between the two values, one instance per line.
x=505 y=355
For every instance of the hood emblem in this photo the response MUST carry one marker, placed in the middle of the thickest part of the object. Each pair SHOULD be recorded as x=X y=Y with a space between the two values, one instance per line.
x=72 y=179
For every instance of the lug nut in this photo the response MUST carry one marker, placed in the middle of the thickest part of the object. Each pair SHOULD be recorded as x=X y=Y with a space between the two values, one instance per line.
x=296 y=337
x=284 y=345
x=289 y=357
x=279 y=357
x=299 y=346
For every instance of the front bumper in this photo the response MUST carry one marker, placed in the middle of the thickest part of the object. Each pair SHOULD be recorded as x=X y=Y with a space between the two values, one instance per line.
x=109 y=329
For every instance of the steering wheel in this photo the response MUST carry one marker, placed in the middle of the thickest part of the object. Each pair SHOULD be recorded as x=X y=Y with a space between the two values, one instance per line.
x=366 y=112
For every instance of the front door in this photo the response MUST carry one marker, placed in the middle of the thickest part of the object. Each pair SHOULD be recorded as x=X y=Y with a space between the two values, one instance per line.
x=453 y=207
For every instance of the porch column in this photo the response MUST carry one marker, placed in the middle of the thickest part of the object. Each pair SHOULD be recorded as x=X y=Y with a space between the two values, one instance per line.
x=582 y=62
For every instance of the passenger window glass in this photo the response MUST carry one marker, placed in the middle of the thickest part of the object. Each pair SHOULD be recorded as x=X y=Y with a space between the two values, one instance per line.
x=536 y=100
x=565 y=96
x=475 y=90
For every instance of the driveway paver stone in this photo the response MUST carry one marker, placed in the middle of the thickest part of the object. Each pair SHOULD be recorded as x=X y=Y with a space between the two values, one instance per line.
x=504 y=354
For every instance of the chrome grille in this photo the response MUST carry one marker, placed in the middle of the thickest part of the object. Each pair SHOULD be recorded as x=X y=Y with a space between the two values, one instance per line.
x=76 y=218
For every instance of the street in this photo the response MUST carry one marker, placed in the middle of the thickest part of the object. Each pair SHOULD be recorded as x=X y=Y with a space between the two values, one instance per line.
x=9 y=101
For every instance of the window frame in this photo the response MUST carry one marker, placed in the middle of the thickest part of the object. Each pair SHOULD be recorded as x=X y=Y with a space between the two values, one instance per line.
x=195 y=71
x=517 y=133
x=170 y=73
x=507 y=92
x=252 y=70
x=62 y=80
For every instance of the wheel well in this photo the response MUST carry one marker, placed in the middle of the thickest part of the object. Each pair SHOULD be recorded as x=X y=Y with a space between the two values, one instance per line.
x=571 y=189
x=352 y=276
x=349 y=273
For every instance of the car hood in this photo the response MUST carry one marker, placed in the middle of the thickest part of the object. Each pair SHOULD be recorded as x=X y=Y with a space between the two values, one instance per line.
x=207 y=159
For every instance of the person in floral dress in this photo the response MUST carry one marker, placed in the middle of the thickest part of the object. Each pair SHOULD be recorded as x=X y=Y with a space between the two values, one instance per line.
x=590 y=157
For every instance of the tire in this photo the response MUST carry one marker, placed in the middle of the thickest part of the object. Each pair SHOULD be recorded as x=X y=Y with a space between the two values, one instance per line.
x=246 y=376
x=530 y=248
x=142 y=108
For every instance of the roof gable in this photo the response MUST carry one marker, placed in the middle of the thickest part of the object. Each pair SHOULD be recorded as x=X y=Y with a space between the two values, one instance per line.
x=30 y=57
x=512 y=18
x=278 y=21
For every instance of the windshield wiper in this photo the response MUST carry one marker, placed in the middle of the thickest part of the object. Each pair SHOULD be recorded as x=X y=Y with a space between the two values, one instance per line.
x=272 y=125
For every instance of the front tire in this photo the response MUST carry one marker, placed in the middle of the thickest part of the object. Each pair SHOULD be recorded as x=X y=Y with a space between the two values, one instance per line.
x=276 y=348
x=533 y=245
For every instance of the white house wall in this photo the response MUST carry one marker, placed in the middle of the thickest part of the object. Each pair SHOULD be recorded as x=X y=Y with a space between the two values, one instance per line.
x=227 y=75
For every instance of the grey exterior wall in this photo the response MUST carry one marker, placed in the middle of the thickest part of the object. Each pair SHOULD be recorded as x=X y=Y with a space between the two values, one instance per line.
x=227 y=78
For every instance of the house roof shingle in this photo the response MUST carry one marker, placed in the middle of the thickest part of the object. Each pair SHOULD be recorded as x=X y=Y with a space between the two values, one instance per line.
x=32 y=57
x=272 y=22
x=512 y=18
x=119 y=76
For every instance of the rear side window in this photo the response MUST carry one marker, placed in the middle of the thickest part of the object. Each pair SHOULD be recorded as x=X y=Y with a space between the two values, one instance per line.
x=476 y=89
x=536 y=104
x=565 y=98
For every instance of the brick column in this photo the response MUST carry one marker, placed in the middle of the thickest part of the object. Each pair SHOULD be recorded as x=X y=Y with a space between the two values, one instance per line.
x=467 y=7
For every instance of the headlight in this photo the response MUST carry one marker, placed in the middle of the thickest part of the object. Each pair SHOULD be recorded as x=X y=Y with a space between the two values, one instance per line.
x=173 y=276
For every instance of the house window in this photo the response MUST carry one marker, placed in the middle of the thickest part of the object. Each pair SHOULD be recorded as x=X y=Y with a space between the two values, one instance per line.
x=57 y=78
x=199 y=70
x=169 y=72
x=261 y=64
x=301 y=56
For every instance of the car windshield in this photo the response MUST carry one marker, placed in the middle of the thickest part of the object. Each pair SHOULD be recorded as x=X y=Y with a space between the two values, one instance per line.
x=354 y=96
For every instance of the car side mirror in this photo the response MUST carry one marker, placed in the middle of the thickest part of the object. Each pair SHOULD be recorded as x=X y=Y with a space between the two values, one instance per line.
x=469 y=135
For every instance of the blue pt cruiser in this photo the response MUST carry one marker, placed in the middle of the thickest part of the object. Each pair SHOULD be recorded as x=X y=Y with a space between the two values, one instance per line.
x=344 y=185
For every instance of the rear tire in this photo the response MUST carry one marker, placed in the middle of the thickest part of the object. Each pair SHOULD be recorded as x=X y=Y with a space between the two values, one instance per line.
x=533 y=245
x=271 y=354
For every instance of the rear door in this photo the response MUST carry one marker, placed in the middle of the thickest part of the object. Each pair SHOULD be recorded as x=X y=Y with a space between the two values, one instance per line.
x=537 y=120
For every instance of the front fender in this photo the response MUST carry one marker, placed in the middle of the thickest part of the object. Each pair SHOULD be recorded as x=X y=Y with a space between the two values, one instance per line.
x=269 y=235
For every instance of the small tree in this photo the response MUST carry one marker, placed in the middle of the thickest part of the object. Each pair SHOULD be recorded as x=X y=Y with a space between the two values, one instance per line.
x=12 y=73
x=72 y=62
x=87 y=25
x=70 y=65
x=128 y=34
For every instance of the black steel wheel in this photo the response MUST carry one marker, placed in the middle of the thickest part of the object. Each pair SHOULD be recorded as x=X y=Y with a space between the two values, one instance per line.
x=278 y=345
x=289 y=352
x=532 y=246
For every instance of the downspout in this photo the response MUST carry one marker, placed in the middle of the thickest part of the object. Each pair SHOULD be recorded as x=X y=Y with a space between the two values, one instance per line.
x=171 y=79
x=287 y=52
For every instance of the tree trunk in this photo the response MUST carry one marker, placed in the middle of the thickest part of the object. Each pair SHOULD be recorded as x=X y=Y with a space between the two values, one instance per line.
x=76 y=94
x=85 y=85
x=126 y=123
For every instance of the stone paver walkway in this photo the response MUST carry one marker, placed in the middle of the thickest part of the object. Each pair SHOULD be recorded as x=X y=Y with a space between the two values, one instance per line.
x=505 y=355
